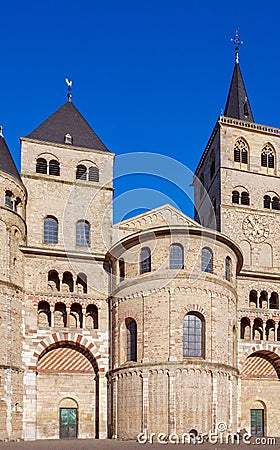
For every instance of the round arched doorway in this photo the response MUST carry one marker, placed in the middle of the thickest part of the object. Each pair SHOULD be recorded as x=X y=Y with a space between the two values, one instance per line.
x=67 y=392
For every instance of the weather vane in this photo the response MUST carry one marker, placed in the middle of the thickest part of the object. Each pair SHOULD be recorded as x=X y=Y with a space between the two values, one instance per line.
x=69 y=89
x=237 y=41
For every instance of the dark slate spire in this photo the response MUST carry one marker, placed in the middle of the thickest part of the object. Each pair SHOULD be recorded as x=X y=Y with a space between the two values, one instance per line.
x=6 y=161
x=67 y=120
x=238 y=105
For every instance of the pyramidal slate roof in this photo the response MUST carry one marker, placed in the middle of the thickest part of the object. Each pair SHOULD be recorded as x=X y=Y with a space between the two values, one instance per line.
x=6 y=160
x=238 y=105
x=67 y=119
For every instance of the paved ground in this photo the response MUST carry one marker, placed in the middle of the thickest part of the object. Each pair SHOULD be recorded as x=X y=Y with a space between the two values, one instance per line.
x=92 y=444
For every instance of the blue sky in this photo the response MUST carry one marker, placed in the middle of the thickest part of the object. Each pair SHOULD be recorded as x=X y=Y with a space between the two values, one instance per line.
x=149 y=76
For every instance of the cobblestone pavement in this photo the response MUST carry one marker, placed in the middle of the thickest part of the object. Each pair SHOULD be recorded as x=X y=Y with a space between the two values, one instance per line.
x=106 y=444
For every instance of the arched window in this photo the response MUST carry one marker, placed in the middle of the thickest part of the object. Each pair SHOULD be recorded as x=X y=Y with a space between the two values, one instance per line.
x=235 y=197
x=263 y=300
x=53 y=281
x=275 y=203
x=93 y=174
x=266 y=201
x=245 y=199
x=41 y=166
x=241 y=151
x=207 y=260
x=60 y=315
x=8 y=199
x=81 y=173
x=122 y=269
x=253 y=298
x=193 y=335
x=258 y=329
x=267 y=157
x=228 y=268
x=51 y=230
x=92 y=317
x=145 y=260
x=76 y=316
x=67 y=282
x=274 y=301
x=82 y=234
x=245 y=329
x=176 y=257
x=44 y=314
x=81 y=283
x=54 y=167
x=131 y=340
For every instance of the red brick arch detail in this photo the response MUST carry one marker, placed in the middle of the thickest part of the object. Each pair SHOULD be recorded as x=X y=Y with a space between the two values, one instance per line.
x=196 y=308
x=64 y=339
x=257 y=348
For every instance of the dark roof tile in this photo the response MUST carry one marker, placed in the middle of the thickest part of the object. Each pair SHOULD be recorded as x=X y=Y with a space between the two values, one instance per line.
x=67 y=119
x=6 y=161
x=238 y=105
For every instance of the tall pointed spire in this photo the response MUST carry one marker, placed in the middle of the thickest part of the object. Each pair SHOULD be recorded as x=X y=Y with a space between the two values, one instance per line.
x=237 y=105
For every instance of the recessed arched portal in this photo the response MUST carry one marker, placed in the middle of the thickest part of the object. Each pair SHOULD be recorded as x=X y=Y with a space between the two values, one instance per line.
x=67 y=392
x=260 y=377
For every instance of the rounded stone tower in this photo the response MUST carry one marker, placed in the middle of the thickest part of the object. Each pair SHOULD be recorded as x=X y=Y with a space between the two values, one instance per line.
x=173 y=335
x=12 y=235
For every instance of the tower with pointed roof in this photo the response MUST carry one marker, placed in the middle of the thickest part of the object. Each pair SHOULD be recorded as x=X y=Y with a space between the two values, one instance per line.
x=12 y=236
x=237 y=191
x=67 y=172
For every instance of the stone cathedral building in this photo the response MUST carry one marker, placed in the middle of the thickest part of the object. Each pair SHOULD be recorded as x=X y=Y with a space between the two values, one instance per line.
x=161 y=322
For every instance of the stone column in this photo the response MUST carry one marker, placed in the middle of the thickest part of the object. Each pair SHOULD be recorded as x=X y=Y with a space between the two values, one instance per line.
x=52 y=315
x=102 y=406
x=145 y=401
x=83 y=316
x=68 y=309
x=172 y=404
x=29 y=405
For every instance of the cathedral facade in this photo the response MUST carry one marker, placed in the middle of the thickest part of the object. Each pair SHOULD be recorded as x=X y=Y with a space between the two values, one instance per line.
x=157 y=324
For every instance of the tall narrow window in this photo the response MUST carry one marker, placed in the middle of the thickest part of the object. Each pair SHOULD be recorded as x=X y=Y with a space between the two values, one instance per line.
x=193 y=335
x=67 y=282
x=266 y=201
x=228 y=268
x=8 y=199
x=41 y=166
x=176 y=257
x=93 y=174
x=241 y=151
x=275 y=203
x=51 y=230
x=131 y=340
x=122 y=269
x=145 y=260
x=81 y=173
x=54 y=167
x=82 y=233
x=235 y=197
x=245 y=199
x=267 y=157
x=207 y=260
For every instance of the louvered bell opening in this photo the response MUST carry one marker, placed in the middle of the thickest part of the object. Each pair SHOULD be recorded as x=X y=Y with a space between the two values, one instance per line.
x=266 y=201
x=237 y=154
x=264 y=159
x=235 y=197
x=54 y=168
x=271 y=161
x=275 y=203
x=244 y=157
x=81 y=173
x=93 y=174
x=245 y=199
x=41 y=165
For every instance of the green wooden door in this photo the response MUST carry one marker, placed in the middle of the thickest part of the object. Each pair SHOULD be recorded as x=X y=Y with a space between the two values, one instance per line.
x=68 y=426
x=257 y=422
